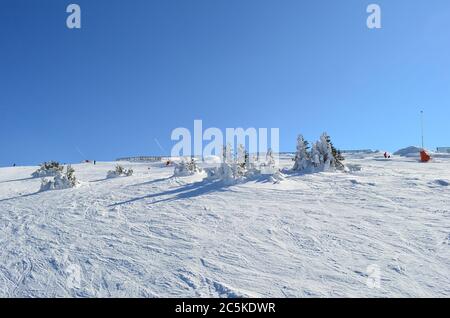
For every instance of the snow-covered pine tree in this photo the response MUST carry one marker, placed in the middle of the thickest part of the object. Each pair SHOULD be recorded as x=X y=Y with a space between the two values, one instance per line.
x=241 y=164
x=302 y=157
x=192 y=166
x=248 y=164
x=336 y=154
x=70 y=175
x=241 y=155
x=119 y=170
x=326 y=153
x=227 y=154
x=226 y=170
x=315 y=156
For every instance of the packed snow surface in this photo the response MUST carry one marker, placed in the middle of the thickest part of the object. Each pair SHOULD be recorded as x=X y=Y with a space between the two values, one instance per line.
x=155 y=235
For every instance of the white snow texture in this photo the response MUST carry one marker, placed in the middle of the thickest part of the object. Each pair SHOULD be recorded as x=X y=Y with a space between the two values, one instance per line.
x=326 y=234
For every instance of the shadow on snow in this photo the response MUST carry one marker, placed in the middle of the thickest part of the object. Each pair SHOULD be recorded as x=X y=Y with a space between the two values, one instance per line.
x=184 y=192
x=190 y=191
x=20 y=196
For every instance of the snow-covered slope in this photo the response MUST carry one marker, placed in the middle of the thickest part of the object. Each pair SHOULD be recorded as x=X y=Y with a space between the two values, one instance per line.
x=414 y=152
x=411 y=151
x=152 y=235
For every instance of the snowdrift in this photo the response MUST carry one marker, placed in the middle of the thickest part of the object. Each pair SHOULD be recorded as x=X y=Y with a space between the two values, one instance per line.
x=408 y=152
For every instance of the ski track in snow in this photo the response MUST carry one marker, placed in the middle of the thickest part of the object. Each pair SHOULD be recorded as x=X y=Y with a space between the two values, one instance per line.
x=152 y=235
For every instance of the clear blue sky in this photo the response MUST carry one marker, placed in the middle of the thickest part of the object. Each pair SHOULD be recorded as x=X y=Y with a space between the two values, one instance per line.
x=138 y=69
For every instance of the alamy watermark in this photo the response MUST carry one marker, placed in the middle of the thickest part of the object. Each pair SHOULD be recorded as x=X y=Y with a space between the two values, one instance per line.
x=73 y=21
x=204 y=144
x=373 y=276
x=73 y=272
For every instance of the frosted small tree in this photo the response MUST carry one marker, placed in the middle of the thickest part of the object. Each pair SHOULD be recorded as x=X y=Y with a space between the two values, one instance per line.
x=315 y=155
x=302 y=157
x=192 y=165
x=332 y=157
x=181 y=169
x=247 y=162
x=326 y=153
x=337 y=155
x=227 y=154
x=119 y=170
x=241 y=155
x=226 y=171
x=70 y=175
x=270 y=161
x=241 y=164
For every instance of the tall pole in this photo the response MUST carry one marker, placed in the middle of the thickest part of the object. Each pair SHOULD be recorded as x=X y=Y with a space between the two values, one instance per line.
x=421 y=123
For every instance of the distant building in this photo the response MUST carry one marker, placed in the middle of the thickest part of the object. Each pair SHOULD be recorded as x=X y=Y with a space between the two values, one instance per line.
x=443 y=149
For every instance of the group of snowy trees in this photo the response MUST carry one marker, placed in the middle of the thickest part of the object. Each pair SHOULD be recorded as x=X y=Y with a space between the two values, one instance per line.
x=119 y=171
x=61 y=180
x=54 y=177
x=234 y=166
x=322 y=156
x=238 y=166
x=185 y=168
